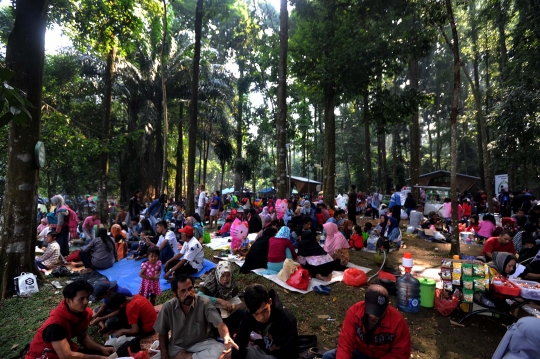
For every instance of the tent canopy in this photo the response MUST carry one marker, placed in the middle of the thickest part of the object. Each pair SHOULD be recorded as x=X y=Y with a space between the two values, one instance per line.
x=267 y=190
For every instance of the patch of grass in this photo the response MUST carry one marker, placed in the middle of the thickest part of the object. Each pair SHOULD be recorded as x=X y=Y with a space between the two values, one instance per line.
x=21 y=317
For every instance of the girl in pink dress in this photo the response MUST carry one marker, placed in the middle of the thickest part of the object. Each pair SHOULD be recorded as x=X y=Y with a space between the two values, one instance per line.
x=150 y=273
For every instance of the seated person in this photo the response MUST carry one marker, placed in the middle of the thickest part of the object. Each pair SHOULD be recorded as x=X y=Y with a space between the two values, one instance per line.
x=138 y=316
x=42 y=235
x=528 y=245
x=120 y=239
x=314 y=258
x=191 y=253
x=257 y=256
x=280 y=248
x=220 y=287
x=521 y=218
x=50 y=258
x=54 y=339
x=167 y=243
x=275 y=324
x=189 y=320
x=142 y=249
x=503 y=263
x=392 y=233
x=347 y=228
x=416 y=217
x=357 y=239
x=225 y=230
x=474 y=225
x=520 y=341
x=100 y=253
x=104 y=316
x=336 y=246
x=373 y=329
x=134 y=228
x=486 y=227
x=502 y=243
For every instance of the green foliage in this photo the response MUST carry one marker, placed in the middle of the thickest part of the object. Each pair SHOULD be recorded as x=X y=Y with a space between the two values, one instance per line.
x=13 y=103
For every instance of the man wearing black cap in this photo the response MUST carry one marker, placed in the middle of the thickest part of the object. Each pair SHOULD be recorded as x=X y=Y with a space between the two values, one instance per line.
x=104 y=316
x=372 y=329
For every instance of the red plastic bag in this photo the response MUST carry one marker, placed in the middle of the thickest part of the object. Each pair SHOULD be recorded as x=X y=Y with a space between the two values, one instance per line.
x=299 y=279
x=443 y=305
x=354 y=277
x=143 y=354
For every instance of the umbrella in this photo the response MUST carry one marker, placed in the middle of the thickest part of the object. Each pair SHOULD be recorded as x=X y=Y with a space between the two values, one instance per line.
x=92 y=198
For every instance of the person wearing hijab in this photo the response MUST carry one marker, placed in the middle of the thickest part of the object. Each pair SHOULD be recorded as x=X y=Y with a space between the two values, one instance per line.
x=43 y=224
x=280 y=248
x=265 y=217
x=257 y=256
x=306 y=209
x=503 y=263
x=346 y=230
x=120 y=240
x=392 y=232
x=380 y=229
x=521 y=341
x=336 y=246
x=313 y=258
x=254 y=221
x=220 y=287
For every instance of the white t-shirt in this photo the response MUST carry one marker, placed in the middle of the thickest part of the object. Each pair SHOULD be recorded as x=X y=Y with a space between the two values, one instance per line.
x=193 y=253
x=202 y=198
x=171 y=238
x=416 y=218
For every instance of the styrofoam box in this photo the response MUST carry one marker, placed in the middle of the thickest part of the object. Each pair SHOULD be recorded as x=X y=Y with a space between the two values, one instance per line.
x=526 y=293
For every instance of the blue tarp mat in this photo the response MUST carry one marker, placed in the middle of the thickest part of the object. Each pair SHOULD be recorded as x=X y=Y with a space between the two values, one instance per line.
x=126 y=274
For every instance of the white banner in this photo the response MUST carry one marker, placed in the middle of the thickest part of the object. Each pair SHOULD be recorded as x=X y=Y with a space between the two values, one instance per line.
x=501 y=182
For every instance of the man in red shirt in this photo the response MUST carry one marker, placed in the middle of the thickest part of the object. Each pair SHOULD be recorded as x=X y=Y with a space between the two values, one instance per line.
x=372 y=329
x=502 y=243
x=139 y=316
x=70 y=319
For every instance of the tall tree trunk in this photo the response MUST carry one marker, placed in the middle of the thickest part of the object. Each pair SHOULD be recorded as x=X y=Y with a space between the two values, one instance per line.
x=367 y=141
x=454 y=248
x=483 y=130
x=395 y=140
x=329 y=179
x=193 y=106
x=179 y=155
x=415 y=129
x=242 y=90
x=163 y=183
x=106 y=129
x=383 y=164
x=281 y=123
x=501 y=25
x=25 y=56
x=206 y=145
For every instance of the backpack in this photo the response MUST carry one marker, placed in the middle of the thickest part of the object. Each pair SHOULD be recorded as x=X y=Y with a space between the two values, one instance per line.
x=71 y=219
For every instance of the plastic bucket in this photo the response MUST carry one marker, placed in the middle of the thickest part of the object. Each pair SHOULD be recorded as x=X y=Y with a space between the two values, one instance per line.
x=427 y=292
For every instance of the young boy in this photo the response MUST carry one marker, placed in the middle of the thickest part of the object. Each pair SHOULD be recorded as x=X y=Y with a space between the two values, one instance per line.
x=51 y=256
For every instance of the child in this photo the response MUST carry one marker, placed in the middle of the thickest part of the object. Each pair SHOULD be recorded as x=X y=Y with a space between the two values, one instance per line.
x=320 y=216
x=225 y=231
x=150 y=273
x=486 y=228
x=384 y=210
x=473 y=224
x=368 y=228
x=357 y=239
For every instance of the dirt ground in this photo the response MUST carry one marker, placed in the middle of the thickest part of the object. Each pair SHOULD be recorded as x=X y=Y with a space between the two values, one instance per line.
x=432 y=334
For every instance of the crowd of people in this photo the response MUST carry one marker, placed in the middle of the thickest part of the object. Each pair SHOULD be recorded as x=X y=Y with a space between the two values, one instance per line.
x=169 y=243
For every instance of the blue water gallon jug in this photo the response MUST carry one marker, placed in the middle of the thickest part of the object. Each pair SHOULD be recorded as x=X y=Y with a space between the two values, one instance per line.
x=408 y=288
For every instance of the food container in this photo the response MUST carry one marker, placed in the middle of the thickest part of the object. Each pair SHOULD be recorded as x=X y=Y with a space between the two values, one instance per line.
x=507 y=288
x=154 y=348
x=528 y=293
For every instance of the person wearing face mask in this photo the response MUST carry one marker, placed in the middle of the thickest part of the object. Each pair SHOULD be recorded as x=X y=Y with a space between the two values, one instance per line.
x=190 y=318
x=221 y=288
x=373 y=329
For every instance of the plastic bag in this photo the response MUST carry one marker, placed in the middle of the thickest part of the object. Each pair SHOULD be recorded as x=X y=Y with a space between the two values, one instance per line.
x=299 y=279
x=443 y=305
x=26 y=284
x=354 y=277
x=206 y=238
x=289 y=267
x=372 y=242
